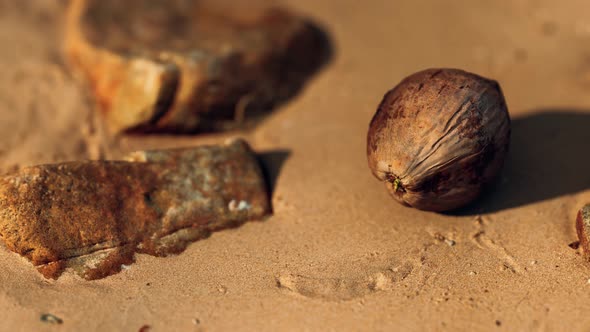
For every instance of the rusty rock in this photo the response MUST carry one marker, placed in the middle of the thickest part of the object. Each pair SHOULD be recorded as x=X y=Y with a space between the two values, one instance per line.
x=93 y=216
x=183 y=65
x=583 y=229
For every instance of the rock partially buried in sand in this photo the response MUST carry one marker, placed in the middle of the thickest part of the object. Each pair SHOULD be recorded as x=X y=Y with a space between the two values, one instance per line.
x=93 y=216
x=583 y=229
x=178 y=65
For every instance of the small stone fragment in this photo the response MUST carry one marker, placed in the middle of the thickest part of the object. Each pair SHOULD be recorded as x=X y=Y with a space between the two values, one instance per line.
x=583 y=229
x=574 y=245
x=51 y=319
x=178 y=65
x=450 y=242
x=93 y=216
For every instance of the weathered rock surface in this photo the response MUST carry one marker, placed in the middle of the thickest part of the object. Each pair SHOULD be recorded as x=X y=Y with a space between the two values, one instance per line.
x=583 y=229
x=185 y=65
x=93 y=216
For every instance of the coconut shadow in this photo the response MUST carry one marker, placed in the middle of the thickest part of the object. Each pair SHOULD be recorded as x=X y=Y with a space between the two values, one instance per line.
x=549 y=157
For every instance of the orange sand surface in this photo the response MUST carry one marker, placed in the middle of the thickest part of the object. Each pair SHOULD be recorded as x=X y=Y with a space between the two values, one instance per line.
x=339 y=253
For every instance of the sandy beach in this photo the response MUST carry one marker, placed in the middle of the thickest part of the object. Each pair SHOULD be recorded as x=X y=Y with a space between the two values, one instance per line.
x=338 y=254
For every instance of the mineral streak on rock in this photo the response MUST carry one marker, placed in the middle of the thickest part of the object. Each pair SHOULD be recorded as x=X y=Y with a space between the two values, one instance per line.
x=583 y=229
x=93 y=216
x=186 y=65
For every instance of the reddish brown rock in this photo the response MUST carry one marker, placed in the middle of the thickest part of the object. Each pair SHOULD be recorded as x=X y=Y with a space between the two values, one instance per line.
x=583 y=229
x=93 y=216
x=184 y=65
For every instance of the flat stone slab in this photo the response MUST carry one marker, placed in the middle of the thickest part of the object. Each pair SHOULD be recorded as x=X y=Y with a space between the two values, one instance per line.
x=178 y=65
x=92 y=216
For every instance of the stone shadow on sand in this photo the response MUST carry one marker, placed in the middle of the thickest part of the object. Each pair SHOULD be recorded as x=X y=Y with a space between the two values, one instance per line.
x=272 y=162
x=549 y=157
